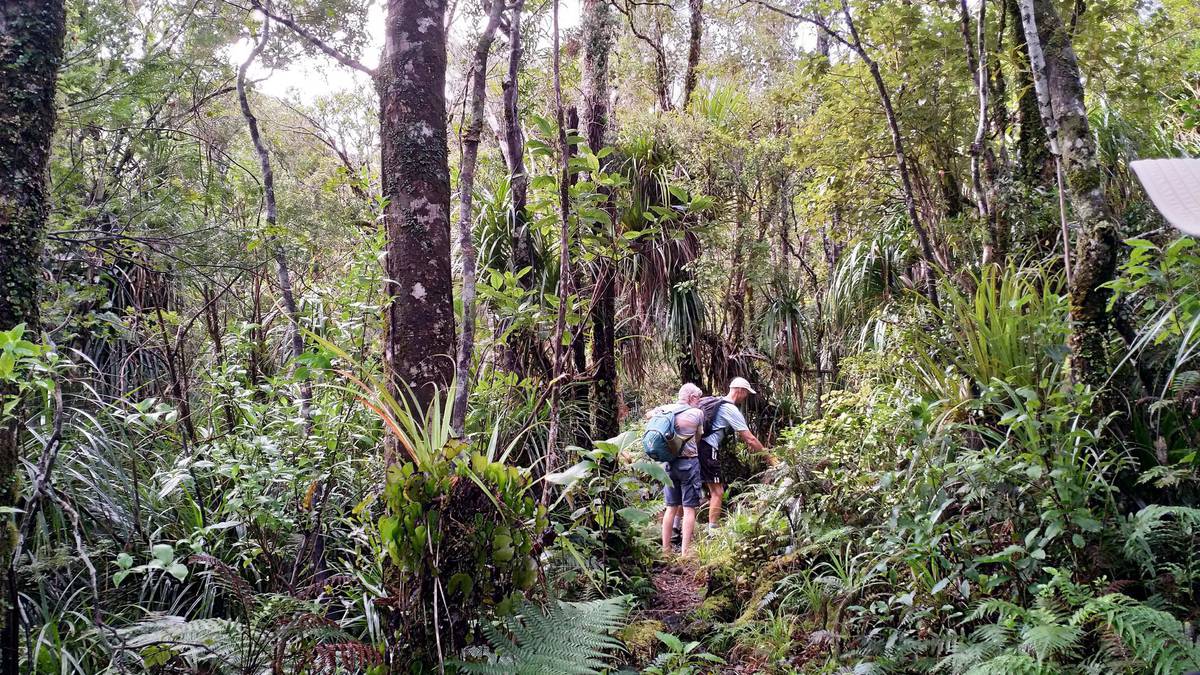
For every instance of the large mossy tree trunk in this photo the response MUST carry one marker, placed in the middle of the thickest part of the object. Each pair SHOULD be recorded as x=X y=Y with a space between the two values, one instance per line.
x=31 y=50
x=597 y=43
x=1056 y=73
x=415 y=176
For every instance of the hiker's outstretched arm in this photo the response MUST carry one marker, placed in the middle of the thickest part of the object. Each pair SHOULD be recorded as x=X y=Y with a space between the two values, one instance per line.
x=757 y=446
x=751 y=440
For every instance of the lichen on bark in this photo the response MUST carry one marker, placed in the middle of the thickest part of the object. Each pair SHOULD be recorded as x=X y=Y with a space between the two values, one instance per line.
x=415 y=180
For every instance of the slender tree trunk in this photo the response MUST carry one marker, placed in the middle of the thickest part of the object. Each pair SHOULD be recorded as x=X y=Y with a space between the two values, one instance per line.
x=655 y=42
x=696 y=26
x=580 y=388
x=823 y=38
x=561 y=368
x=910 y=198
x=466 y=240
x=523 y=353
x=296 y=339
x=31 y=49
x=415 y=174
x=662 y=78
x=1056 y=74
x=982 y=159
x=735 y=299
x=978 y=68
x=1032 y=146
x=514 y=140
x=597 y=43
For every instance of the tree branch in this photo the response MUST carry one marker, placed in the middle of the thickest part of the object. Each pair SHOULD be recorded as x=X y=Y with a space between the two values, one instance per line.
x=315 y=41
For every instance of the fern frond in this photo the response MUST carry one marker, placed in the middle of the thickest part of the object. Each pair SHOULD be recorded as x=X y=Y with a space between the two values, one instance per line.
x=1049 y=641
x=1011 y=663
x=1003 y=609
x=1155 y=527
x=566 y=637
x=197 y=640
x=1155 y=638
x=226 y=577
x=346 y=657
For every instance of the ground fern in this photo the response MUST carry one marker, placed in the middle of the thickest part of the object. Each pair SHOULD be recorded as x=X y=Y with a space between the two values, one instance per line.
x=1070 y=630
x=564 y=637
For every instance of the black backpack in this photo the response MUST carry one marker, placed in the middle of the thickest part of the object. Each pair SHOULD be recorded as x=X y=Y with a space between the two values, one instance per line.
x=711 y=405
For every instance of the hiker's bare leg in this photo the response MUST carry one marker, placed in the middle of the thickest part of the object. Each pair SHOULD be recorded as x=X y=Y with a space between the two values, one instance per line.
x=716 y=491
x=667 y=525
x=689 y=527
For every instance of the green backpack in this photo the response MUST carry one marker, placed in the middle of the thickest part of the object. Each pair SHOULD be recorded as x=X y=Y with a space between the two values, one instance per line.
x=660 y=441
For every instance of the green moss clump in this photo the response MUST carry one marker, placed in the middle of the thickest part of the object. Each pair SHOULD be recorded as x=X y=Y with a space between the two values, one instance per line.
x=715 y=608
x=641 y=640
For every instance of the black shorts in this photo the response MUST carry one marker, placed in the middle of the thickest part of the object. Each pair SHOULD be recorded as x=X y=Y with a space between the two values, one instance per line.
x=710 y=463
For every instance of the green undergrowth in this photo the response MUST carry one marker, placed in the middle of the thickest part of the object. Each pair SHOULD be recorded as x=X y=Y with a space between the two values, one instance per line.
x=961 y=507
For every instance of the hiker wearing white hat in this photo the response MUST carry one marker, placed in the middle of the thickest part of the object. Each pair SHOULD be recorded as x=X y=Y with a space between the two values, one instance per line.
x=721 y=416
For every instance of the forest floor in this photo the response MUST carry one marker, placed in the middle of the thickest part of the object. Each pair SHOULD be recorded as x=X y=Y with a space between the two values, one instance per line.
x=679 y=589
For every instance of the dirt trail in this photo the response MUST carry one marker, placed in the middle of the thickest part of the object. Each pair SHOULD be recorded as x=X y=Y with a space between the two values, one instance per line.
x=679 y=590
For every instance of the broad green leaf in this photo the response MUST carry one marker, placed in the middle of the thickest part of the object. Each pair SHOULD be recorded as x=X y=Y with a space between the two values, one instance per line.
x=164 y=553
x=654 y=470
x=571 y=475
x=178 y=570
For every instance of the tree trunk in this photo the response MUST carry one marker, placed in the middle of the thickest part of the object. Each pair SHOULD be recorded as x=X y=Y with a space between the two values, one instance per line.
x=1032 y=147
x=735 y=298
x=561 y=367
x=415 y=177
x=597 y=43
x=283 y=274
x=514 y=140
x=580 y=388
x=983 y=167
x=31 y=46
x=696 y=24
x=932 y=267
x=1056 y=74
x=466 y=240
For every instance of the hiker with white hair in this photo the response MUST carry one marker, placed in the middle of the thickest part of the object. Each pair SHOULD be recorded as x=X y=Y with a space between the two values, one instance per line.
x=723 y=420
x=682 y=497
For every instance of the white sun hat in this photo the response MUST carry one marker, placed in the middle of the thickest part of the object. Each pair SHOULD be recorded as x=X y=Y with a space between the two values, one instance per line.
x=1174 y=187
x=742 y=383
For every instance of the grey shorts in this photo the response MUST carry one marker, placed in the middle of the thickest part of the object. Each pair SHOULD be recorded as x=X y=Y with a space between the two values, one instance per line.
x=685 y=482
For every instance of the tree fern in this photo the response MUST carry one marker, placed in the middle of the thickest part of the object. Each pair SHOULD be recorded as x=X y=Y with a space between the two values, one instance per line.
x=566 y=637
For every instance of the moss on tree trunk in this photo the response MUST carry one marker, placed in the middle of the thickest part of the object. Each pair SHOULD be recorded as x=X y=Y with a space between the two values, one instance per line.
x=31 y=45
x=597 y=43
x=1095 y=252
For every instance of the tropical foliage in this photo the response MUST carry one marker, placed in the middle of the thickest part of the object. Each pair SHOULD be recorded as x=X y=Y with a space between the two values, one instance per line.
x=229 y=434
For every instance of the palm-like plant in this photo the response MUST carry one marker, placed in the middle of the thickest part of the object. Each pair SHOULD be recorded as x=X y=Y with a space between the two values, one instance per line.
x=1012 y=328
